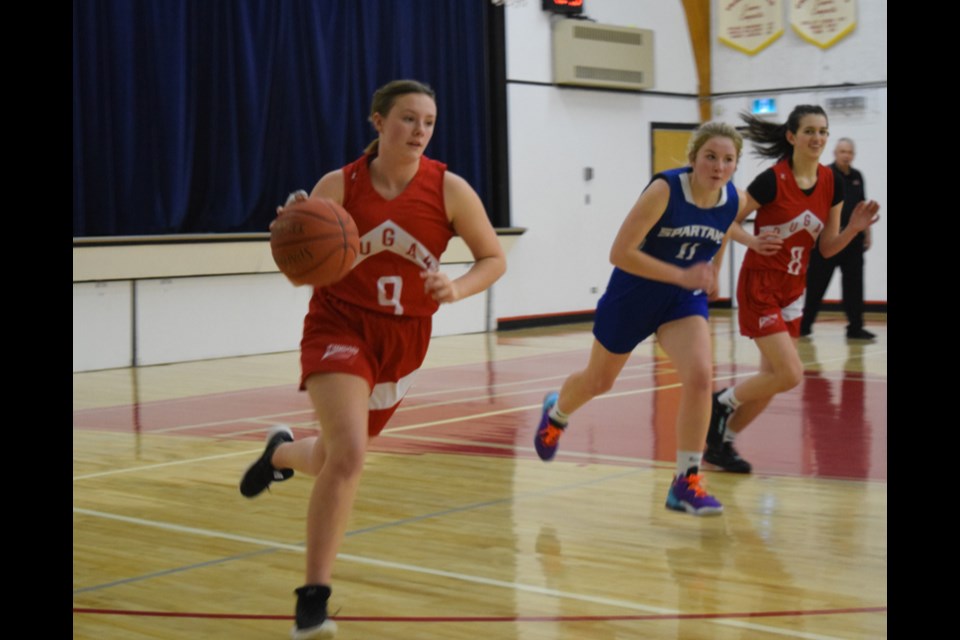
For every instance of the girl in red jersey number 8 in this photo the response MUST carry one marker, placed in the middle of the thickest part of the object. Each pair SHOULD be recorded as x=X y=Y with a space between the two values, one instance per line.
x=796 y=200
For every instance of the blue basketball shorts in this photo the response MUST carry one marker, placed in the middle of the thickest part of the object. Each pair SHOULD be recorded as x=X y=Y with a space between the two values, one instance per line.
x=633 y=308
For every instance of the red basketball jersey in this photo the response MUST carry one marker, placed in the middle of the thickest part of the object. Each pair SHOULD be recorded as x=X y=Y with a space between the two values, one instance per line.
x=795 y=217
x=399 y=239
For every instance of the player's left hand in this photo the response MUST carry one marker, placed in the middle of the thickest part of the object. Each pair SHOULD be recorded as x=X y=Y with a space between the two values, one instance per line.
x=714 y=291
x=767 y=243
x=439 y=286
x=864 y=214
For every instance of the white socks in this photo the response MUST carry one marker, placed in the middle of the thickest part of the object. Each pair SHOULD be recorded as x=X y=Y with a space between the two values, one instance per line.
x=687 y=460
x=559 y=417
x=726 y=397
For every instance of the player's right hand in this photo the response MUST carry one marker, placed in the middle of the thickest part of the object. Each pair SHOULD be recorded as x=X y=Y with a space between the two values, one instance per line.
x=698 y=276
x=767 y=244
x=297 y=196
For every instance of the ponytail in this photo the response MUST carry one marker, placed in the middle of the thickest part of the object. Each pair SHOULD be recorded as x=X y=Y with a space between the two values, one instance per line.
x=769 y=138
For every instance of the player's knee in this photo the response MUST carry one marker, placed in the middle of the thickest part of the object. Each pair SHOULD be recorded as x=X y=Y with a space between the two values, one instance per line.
x=345 y=459
x=601 y=384
x=789 y=376
x=699 y=381
x=314 y=465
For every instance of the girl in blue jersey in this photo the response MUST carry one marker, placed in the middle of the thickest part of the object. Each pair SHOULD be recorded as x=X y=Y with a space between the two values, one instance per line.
x=666 y=258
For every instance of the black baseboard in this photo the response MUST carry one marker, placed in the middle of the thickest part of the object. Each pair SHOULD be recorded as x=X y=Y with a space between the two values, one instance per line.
x=577 y=317
x=869 y=307
x=530 y=322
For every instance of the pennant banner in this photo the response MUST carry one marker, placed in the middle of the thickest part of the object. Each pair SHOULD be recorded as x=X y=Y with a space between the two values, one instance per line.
x=749 y=25
x=822 y=22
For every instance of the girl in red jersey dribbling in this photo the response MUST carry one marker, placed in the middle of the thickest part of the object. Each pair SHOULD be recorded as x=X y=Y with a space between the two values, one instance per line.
x=365 y=336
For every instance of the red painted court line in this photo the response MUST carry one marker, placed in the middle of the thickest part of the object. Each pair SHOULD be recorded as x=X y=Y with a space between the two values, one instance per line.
x=834 y=425
x=217 y=407
x=437 y=619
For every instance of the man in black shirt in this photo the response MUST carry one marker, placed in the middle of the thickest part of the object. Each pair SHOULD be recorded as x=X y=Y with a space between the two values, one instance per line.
x=850 y=259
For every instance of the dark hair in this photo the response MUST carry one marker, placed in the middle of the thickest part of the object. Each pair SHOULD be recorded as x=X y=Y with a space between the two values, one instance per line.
x=770 y=139
x=386 y=96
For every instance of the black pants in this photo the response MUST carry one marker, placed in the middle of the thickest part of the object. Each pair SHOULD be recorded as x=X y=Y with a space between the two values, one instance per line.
x=819 y=273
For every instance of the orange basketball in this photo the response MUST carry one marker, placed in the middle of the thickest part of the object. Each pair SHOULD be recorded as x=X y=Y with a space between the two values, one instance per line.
x=314 y=242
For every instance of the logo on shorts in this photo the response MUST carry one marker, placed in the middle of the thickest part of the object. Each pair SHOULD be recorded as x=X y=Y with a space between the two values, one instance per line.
x=766 y=321
x=340 y=352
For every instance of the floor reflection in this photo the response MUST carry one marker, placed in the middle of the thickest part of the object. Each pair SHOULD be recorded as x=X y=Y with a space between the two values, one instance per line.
x=836 y=428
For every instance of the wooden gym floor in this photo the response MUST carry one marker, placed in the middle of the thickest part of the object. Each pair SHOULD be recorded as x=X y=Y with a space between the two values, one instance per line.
x=460 y=531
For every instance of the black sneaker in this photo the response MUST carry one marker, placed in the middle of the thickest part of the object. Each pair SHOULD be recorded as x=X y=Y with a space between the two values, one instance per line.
x=719 y=413
x=312 y=621
x=726 y=457
x=262 y=472
x=860 y=334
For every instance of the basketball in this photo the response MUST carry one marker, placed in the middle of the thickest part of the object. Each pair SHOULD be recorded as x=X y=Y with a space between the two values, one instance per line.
x=314 y=242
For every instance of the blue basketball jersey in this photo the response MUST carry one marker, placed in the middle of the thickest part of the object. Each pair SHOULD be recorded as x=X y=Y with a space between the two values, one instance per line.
x=633 y=307
x=685 y=233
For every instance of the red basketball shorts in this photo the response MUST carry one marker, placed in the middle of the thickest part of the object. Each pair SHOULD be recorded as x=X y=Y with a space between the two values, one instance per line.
x=384 y=350
x=769 y=302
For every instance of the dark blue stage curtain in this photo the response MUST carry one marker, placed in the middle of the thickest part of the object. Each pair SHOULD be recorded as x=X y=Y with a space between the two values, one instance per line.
x=200 y=116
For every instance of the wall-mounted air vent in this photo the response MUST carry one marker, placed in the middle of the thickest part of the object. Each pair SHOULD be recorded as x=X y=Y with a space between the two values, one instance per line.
x=847 y=103
x=601 y=55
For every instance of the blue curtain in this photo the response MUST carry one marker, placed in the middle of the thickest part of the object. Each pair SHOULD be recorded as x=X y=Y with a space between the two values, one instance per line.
x=200 y=116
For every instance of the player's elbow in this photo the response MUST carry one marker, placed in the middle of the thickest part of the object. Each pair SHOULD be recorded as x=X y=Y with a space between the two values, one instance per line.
x=618 y=256
x=498 y=266
x=827 y=251
x=489 y=269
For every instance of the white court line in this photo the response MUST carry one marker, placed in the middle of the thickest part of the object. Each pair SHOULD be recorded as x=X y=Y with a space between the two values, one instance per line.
x=271 y=418
x=421 y=425
x=497 y=385
x=268 y=419
x=528 y=407
x=161 y=465
x=491 y=445
x=566 y=454
x=515 y=586
x=385 y=432
x=499 y=394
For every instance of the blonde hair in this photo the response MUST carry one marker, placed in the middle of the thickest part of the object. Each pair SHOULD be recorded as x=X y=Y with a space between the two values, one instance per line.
x=712 y=130
x=385 y=97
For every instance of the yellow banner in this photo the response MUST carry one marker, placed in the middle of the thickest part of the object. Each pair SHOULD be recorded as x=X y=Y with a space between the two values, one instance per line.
x=822 y=22
x=749 y=25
